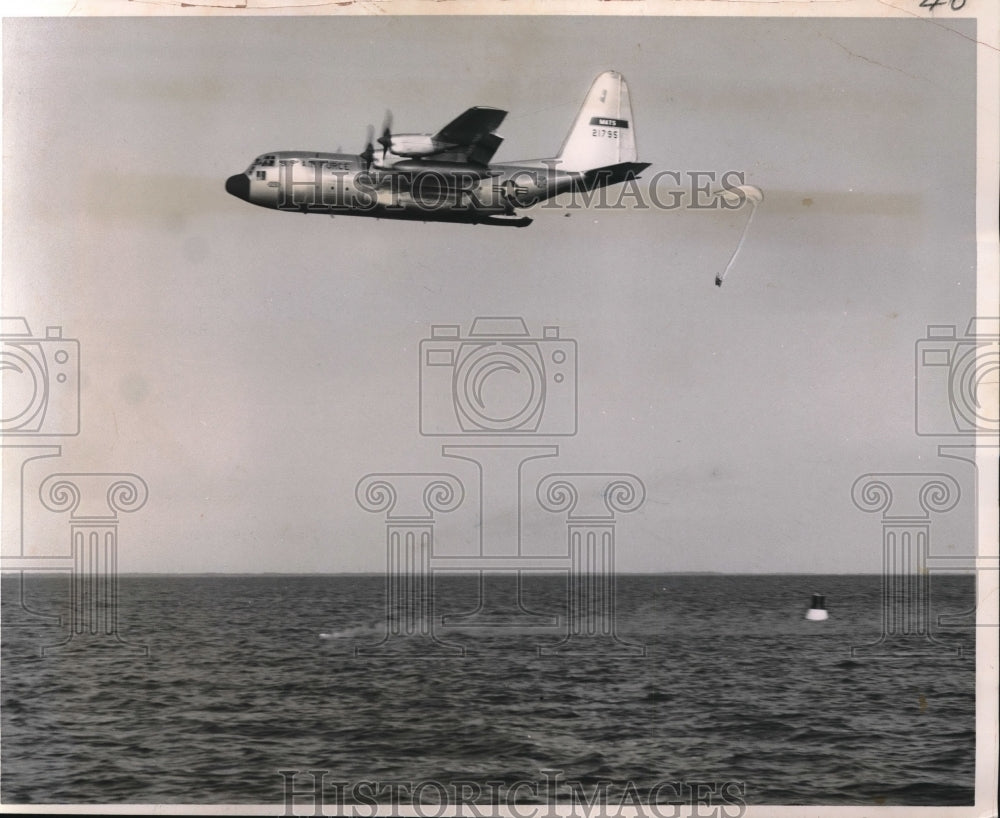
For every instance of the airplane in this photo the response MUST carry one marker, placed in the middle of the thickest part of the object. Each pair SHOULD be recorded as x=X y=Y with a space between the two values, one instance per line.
x=447 y=176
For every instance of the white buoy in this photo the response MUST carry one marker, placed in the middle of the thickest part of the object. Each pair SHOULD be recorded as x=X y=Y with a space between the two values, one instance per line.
x=817 y=609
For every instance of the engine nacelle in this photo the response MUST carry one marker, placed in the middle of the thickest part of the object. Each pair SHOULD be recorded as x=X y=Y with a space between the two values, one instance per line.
x=413 y=144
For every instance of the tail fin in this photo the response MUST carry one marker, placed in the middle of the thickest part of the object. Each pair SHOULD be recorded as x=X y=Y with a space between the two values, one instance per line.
x=603 y=133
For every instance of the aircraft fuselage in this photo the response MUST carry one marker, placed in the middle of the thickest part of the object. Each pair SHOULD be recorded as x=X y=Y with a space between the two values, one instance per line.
x=447 y=176
x=340 y=184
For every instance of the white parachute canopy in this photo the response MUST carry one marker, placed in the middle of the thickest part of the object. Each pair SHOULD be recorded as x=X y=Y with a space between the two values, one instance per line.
x=738 y=196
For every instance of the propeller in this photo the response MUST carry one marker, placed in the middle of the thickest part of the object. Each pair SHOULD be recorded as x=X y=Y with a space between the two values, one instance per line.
x=385 y=140
x=368 y=154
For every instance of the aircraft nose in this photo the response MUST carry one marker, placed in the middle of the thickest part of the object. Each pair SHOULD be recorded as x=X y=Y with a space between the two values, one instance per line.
x=238 y=186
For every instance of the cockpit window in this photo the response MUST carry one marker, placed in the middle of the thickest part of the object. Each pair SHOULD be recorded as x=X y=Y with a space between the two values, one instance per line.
x=266 y=161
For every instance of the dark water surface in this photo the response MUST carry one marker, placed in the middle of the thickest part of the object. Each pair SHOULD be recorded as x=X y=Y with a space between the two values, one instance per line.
x=249 y=675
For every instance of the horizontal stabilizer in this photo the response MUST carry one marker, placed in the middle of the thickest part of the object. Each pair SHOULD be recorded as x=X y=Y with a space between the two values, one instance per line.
x=612 y=174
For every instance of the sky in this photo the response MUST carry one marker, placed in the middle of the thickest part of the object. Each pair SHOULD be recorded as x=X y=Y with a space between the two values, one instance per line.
x=252 y=366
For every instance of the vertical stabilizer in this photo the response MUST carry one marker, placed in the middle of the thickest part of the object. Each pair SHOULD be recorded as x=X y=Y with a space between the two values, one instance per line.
x=603 y=133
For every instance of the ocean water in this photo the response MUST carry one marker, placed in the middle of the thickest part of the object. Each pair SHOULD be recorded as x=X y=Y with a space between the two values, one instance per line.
x=713 y=680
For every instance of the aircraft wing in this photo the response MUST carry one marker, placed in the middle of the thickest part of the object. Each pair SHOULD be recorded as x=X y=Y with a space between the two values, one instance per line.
x=468 y=128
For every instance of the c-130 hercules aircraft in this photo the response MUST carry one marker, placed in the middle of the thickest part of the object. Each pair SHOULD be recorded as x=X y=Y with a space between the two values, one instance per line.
x=447 y=176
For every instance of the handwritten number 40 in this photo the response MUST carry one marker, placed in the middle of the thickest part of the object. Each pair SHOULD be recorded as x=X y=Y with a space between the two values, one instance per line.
x=933 y=4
